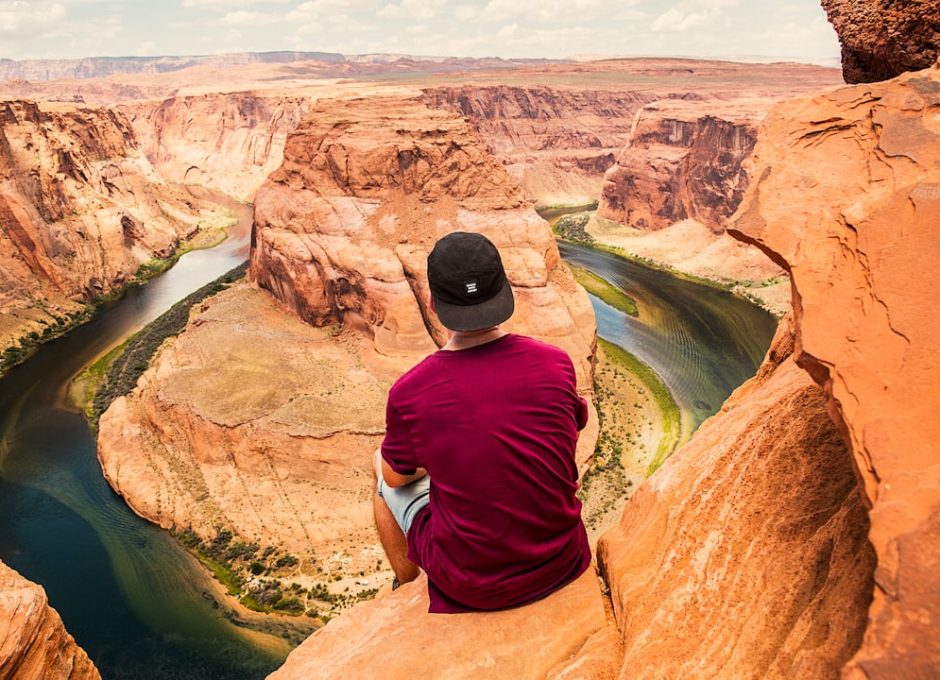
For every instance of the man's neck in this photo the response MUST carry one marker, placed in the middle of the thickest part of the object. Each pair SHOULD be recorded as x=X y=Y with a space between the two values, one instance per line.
x=466 y=339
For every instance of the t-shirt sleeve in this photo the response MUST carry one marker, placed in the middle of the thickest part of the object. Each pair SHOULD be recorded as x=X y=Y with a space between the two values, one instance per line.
x=396 y=447
x=582 y=412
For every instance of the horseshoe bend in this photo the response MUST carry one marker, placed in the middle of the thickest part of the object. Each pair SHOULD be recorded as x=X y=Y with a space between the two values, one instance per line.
x=212 y=273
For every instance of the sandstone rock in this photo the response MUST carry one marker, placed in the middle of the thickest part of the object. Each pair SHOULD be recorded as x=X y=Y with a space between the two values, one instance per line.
x=562 y=637
x=81 y=210
x=343 y=228
x=846 y=198
x=684 y=160
x=228 y=141
x=34 y=644
x=556 y=142
x=746 y=554
x=882 y=39
x=254 y=421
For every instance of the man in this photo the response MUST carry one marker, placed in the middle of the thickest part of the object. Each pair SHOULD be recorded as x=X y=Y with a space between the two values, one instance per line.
x=476 y=476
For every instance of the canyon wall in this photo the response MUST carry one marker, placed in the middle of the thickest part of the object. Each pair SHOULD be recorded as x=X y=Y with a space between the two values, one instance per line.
x=81 y=210
x=229 y=141
x=846 y=198
x=746 y=555
x=556 y=142
x=264 y=421
x=34 y=644
x=882 y=39
x=684 y=160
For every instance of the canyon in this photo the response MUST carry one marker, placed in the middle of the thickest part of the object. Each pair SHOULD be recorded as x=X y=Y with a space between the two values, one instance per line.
x=342 y=232
x=795 y=535
x=82 y=210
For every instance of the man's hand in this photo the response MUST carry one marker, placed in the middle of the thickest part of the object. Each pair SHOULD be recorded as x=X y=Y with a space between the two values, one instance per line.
x=393 y=479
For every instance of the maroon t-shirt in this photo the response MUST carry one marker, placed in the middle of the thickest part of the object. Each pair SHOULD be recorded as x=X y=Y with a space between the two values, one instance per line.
x=495 y=426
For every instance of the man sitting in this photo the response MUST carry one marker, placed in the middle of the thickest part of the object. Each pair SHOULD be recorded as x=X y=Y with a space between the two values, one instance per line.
x=476 y=476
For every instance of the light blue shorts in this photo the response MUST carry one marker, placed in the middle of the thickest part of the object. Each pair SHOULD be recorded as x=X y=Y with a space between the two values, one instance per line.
x=406 y=501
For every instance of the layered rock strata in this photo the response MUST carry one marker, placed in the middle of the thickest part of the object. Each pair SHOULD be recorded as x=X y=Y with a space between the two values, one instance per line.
x=227 y=141
x=882 y=39
x=34 y=644
x=746 y=554
x=556 y=142
x=846 y=198
x=683 y=160
x=258 y=422
x=81 y=210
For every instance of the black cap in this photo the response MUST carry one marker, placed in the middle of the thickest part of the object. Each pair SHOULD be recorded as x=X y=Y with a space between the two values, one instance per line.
x=468 y=282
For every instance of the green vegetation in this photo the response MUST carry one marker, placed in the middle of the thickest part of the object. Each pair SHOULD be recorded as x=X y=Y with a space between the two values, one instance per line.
x=208 y=236
x=574 y=228
x=668 y=408
x=602 y=288
x=549 y=210
x=116 y=374
x=237 y=566
x=27 y=345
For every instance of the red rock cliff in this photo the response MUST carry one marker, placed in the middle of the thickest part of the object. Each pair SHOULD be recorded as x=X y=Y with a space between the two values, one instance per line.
x=846 y=198
x=684 y=160
x=81 y=210
x=556 y=142
x=882 y=39
x=34 y=644
x=227 y=141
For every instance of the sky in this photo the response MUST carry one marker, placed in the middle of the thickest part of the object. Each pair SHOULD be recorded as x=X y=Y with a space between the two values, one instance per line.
x=783 y=29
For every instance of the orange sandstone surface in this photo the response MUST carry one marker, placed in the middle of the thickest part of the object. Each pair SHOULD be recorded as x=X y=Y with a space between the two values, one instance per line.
x=749 y=553
x=81 y=209
x=847 y=200
x=255 y=421
x=34 y=644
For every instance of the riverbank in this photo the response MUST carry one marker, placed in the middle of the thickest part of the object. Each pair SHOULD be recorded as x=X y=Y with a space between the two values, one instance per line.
x=115 y=373
x=633 y=434
x=686 y=250
x=690 y=250
x=210 y=231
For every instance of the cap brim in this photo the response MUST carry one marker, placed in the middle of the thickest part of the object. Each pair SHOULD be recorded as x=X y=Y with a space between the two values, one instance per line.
x=475 y=317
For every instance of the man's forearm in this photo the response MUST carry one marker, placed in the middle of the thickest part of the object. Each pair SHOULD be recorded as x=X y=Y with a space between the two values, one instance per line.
x=395 y=479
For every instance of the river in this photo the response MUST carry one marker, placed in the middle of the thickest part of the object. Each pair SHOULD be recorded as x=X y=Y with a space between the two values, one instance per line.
x=130 y=595
x=701 y=340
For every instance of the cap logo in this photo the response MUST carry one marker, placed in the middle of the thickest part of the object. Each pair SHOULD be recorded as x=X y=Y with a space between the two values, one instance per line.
x=471 y=287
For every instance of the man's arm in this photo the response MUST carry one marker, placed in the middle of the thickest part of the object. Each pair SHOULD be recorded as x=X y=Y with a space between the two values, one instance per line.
x=395 y=479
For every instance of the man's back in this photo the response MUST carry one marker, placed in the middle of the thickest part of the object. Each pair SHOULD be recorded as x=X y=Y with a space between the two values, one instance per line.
x=496 y=428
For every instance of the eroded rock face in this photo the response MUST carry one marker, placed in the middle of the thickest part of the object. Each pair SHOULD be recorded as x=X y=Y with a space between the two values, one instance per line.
x=258 y=422
x=746 y=555
x=563 y=637
x=684 y=160
x=227 y=141
x=847 y=197
x=34 y=644
x=81 y=210
x=556 y=142
x=882 y=39
x=343 y=228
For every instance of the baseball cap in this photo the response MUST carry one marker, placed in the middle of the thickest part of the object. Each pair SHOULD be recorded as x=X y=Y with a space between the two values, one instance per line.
x=468 y=282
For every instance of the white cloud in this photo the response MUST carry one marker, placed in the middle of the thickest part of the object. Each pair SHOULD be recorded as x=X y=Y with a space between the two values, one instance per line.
x=412 y=9
x=688 y=14
x=245 y=18
x=223 y=5
x=19 y=15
